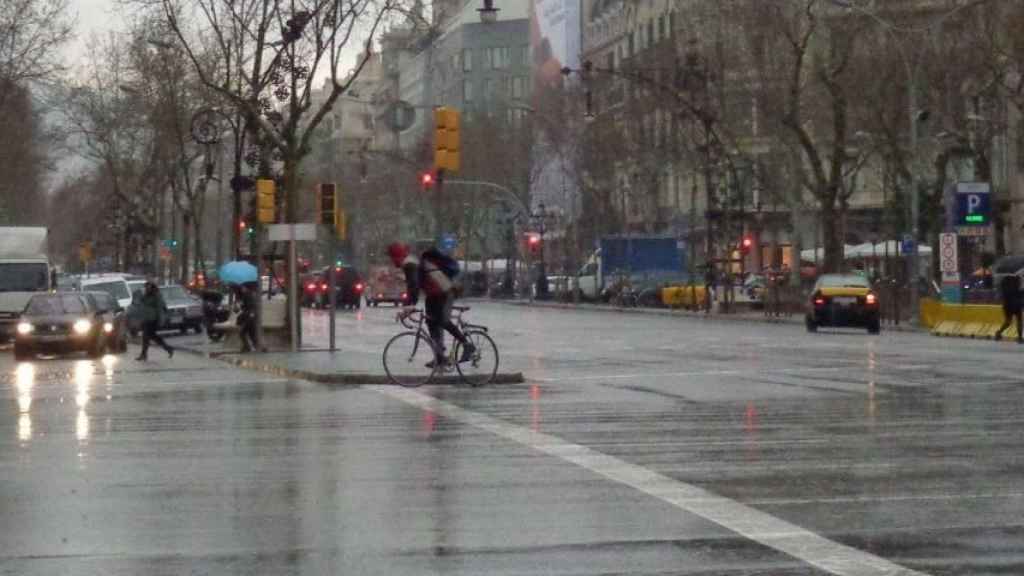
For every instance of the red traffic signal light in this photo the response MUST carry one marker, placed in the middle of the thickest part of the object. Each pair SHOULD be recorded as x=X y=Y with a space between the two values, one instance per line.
x=427 y=179
x=533 y=241
x=241 y=224
x=746 y=244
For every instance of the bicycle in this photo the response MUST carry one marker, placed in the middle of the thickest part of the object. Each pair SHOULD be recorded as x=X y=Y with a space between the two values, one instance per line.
x=409 y=357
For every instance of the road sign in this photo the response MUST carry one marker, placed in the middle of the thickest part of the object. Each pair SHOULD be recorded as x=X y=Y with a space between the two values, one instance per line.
x=286 y=232
x=973 y=204
x=948 y=257
x=85 y=253
x=973 y=230
x=908 y=246
x=448 y=242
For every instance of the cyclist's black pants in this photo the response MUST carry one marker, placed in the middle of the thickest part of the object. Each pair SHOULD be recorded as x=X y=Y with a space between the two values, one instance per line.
x=439 y=316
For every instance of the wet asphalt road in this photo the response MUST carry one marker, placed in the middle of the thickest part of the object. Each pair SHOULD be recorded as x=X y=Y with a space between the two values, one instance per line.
x=638 y=445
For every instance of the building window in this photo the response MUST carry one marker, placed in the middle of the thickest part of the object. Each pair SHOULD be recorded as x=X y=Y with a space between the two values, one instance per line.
x=467 y=60
x=671 y=23
x=518 y=87
x=498 y=58
x=650 y=32
x=489 y=89
x=467 y=90
x=630 y=45
x=610 y=61
x=661 y=27
x=521 y=55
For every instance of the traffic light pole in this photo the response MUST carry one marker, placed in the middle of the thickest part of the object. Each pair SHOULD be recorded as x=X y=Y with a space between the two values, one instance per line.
x=332 y=298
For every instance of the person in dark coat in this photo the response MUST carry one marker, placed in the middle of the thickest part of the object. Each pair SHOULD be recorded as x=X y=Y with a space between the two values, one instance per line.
x=154 y=310
x=247 y=317
x=1009 y=288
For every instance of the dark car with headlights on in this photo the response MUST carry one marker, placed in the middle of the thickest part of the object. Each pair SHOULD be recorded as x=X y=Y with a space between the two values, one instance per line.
x=110 y=310
x=60 y=323
x=843 y=300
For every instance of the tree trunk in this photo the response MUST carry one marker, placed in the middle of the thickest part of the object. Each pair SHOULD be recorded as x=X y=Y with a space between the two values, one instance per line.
x=197 y=229
x=832 y=237
x=186 y=227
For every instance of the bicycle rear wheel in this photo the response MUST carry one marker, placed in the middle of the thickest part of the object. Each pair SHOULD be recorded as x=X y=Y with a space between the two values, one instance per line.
x=406 y=357
x=482 y=367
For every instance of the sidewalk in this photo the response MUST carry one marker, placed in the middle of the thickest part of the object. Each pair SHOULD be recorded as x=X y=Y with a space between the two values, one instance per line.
x=751 y=316
x=349 y=366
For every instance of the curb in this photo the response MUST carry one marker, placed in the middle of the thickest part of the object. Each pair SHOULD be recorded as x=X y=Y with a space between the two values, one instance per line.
x=679 y=313
x=337 y=378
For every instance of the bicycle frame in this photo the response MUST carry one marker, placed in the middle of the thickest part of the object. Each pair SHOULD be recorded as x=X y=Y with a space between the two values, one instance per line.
x=437 y=347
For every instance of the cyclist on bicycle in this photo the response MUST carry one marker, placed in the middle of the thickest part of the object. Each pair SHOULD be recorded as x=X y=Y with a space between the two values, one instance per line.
x=427 y=274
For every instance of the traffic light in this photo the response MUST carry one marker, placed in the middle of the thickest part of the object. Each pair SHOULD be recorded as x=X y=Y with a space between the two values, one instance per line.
x=746 y=244
x=447 y=152
x=241 y=224
x=327 y=204
x=266 y=191
x=533 y=242
x=427 y=181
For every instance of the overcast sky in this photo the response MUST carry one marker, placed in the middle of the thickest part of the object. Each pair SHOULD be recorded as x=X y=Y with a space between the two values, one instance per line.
x=91 y=17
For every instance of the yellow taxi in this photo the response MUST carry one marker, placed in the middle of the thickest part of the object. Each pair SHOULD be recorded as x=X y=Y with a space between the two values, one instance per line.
x=843 y=300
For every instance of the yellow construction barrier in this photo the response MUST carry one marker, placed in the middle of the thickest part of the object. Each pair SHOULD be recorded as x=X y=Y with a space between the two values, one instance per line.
x=967 y=320
x=683 y=296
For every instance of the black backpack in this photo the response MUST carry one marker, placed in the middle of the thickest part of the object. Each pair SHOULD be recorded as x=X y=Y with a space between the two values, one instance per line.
x=444 y=262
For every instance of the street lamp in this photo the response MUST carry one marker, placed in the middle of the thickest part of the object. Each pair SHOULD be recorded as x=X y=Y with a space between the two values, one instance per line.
x=488 y=13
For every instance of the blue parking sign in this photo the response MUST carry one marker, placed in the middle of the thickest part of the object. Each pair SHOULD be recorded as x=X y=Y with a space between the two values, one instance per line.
x=973 y=204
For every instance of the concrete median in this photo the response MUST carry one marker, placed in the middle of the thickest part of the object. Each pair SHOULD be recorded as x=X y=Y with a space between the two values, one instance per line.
x=970 y=321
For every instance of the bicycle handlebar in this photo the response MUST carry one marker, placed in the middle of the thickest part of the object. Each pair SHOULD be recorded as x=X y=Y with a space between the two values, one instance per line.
x=410 y=319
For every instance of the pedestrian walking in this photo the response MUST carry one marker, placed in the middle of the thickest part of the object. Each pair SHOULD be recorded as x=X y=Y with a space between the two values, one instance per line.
x=1009 y=288
x=153 y=312
x=246 y=317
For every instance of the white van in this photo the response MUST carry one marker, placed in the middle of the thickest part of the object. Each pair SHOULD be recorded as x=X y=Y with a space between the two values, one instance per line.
x=114 y=284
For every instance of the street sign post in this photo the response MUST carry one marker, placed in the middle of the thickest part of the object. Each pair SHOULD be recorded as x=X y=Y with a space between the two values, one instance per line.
x=949 y=265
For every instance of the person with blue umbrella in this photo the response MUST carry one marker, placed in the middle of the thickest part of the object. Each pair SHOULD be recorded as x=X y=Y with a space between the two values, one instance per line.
x=243 y=278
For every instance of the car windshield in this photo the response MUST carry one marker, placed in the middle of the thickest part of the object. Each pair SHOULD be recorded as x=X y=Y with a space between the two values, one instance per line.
x=174 y=293
x=116 y=288
x=844 y=281
x=54 y=305
x=24 y=277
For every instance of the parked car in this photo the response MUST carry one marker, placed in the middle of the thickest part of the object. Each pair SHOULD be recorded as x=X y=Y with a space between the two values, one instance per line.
x=117 y=285
x=184 y=311
x=114 y=315
x=60 y=323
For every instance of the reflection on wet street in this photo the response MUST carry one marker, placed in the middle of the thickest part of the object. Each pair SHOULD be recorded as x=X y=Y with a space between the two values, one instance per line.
x=638 y=445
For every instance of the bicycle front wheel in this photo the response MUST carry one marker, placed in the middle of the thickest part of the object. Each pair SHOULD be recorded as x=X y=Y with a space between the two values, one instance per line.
x=482 y=366
x=408 y=359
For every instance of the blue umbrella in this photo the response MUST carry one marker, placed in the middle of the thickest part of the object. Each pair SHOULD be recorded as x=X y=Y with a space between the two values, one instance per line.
x=238 y=272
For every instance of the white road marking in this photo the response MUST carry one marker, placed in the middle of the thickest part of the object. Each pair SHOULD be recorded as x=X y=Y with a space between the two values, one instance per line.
x=748 y=522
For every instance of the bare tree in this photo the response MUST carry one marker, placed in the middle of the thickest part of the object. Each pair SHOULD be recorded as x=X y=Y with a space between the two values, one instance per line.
x=279 y=49
x=808 y=90
x=31 y=35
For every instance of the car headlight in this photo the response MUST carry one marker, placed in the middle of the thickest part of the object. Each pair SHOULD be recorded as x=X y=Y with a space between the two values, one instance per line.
x=82 y=326
x=108 y=327
x=25 y=328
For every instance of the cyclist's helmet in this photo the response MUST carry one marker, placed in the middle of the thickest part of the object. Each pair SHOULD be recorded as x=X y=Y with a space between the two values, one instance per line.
x=398 y=252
